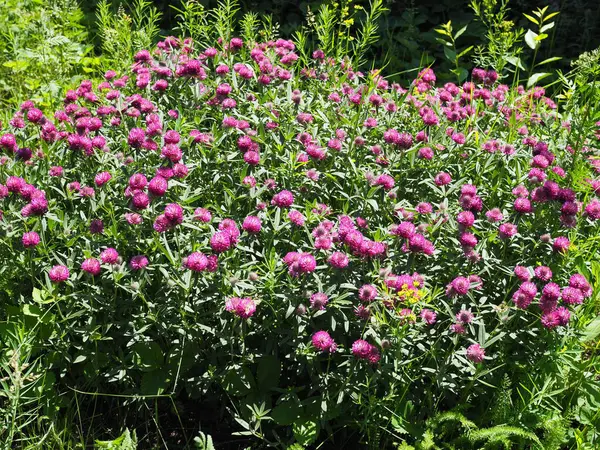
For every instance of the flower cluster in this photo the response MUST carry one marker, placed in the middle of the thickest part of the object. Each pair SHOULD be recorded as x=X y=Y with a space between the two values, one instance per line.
x=336 y=209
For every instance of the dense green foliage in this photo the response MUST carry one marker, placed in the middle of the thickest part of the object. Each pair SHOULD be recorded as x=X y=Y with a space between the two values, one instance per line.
x=132 y=318
x=43 y=45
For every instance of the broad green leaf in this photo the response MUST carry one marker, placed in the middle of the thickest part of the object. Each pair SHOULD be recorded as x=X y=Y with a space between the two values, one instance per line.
x=592 y=331
x=268 y=372
x=287 y=412
x=515 y=61
x=238 y=381
x=449 y=53
x=547 y=27
x=155 y=382
x=531 y=39
x=535 y=78
x=147 y=356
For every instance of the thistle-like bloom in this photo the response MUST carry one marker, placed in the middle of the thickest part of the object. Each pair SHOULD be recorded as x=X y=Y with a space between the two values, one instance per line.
x=30 y=239
x=323 y=342
x=59 y=274
x=475 y=353
x=241 y=307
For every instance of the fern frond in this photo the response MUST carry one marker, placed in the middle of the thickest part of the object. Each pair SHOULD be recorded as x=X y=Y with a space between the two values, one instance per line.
x=502 y=433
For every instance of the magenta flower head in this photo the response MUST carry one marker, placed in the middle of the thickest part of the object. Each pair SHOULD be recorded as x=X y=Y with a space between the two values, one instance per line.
x=475 y=353
x=203 y=215
x=507 y=230
x=133 y=218
x=136 y=137
x=138 y=181
x=578 y=281
x=174 y=213
x=458 y=328
x=339 y=260
x=386 y=181
x=30 y=239
x=561 y=244
x=220 y=241
x=464 y=316
x=140 y=200
x=529 y=289
x=494 y=215
x=252 y=224
x=543 y=273
x=522 y=273
x=196 y=262
x=521 y=299
x=428 y=316
x=241 y=307
x=296 y=217
x=96 y=226
x=523 y=206
x=59 y=274
x=283 y=199
x=109 y=256
x=323 y=342
x=466 y=219
x=458 y=286
x=572 y=296
x=442 y=179
x=361 y=349
x=138 y=262
x=563 y=315
x=318 y=301
x=592 y=209
x=550 y=319
x=55 y=171
x=91 y=266
x=158 y=186
x=102 y=178
x=367 y=293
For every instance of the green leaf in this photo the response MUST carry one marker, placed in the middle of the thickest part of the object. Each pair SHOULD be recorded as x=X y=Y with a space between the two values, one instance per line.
x=449 y=53
x=531 y=39
x=549 y=60
x=547 y=27
x=32 y=310
x=127 y=441
x=592 y=331
x=287 y=412
x=460 y=32
x=306 y=432
x=533 y=79
x=461 y=73
x=238 y=381
x=465 y=51
x=147 y=356
x=79 y=359
x=268 y=373
x=515 y=61
x=204 y=442
x=534 y=20
x=155 y=382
